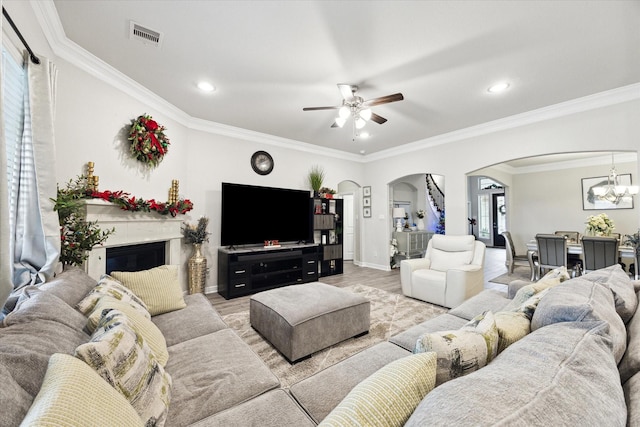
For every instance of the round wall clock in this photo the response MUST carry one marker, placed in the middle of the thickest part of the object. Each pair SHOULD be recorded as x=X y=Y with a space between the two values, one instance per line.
x=262 y=162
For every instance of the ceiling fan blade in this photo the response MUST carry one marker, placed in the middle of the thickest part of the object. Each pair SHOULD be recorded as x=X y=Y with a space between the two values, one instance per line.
x=347 y=91
x=383 y=100
x=319 y=108
x=378 y=119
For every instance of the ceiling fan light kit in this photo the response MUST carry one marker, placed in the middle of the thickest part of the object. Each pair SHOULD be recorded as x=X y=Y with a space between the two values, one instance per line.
x=357 y=108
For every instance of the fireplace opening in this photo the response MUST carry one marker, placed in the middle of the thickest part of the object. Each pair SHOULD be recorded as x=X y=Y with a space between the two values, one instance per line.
x=135 y=257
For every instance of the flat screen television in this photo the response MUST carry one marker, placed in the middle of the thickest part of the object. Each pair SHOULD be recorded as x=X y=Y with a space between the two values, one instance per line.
x=253 y=214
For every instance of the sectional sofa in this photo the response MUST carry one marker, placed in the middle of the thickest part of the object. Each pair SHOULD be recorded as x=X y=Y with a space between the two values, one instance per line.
x=578 y=365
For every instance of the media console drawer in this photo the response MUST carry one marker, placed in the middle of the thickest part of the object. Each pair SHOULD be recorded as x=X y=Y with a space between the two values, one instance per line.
x=247 y=271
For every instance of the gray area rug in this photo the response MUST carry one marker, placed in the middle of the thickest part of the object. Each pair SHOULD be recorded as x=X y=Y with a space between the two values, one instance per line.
x=519 y=273
x=390 y=314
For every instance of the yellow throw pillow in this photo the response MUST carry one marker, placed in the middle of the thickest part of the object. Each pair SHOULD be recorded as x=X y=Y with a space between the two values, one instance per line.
x=145 y=327
x=389 y=396
x=512 y=326
x=73 y=394
x=158 y=287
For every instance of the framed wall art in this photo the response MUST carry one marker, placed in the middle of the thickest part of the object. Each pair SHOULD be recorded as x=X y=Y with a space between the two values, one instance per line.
x=366 y=212
x=366 y=191
x=591 y=202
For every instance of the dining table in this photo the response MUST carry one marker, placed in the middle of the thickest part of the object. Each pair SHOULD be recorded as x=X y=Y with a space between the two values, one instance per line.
x=574 y=248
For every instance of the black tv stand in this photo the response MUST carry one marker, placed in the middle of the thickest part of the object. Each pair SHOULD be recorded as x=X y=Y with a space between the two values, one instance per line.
x=247 y=271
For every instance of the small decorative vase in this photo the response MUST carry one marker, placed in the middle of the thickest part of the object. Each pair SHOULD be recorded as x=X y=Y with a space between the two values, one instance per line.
x=197 y=270
x=420 y=224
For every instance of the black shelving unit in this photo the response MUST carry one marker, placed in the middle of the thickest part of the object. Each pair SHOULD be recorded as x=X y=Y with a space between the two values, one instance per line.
x=328 y=233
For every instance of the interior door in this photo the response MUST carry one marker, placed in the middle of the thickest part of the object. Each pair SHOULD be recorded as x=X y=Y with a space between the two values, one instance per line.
x=349 y=229
x=499 y=219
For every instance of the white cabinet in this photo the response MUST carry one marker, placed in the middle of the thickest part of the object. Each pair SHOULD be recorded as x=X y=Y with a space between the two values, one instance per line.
x=412 y=244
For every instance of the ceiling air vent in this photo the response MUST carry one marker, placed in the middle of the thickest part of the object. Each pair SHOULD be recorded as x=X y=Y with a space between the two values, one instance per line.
x=145 y=35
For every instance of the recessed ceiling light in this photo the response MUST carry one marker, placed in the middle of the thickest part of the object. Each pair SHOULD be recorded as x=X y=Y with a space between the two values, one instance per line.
x=364 y=135
x=206 y=87
x=498 y=87
x=362 y=151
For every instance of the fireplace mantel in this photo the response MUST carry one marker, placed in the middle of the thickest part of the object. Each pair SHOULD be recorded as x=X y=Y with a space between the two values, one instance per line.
x=132 y=228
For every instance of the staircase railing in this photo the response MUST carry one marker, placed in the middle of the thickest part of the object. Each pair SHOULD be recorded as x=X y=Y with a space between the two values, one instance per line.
x=436 y=194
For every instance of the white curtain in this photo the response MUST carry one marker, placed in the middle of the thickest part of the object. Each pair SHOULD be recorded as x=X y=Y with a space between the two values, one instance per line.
x=34 y=231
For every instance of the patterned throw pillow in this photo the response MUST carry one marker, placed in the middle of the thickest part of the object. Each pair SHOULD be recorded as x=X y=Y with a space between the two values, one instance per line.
x=529 y=306
x=530 y=290
x=125 y=361
x=462 y=351
x=389 y=396
x=73 y=394
x=512 y=326
x=107 y=285
x=158 y=287
x=141 y=324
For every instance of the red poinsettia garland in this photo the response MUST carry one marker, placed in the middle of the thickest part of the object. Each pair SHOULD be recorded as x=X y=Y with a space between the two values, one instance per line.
x=149 y=144
x=131 y=203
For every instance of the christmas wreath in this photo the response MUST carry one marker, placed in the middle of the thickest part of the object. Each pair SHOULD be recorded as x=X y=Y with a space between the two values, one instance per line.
x=149 y=144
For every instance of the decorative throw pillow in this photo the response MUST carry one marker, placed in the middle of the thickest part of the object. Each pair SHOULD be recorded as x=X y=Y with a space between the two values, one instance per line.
x=529 y=306
x=141 y=324
x=73 y=394
x=559 y=273
x=527 y=291
x=126 y=362
x=158 y=287
x=512 y=326
x=389 y=396
x=462 y=351
x=108 y=285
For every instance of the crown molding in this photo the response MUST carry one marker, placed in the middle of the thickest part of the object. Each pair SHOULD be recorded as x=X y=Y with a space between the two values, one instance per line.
x=604 y=159
x=49 y=21
x=578 y=105
x=64 y=48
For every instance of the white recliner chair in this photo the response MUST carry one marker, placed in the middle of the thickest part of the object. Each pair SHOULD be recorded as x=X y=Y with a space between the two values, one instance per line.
x=451 y=271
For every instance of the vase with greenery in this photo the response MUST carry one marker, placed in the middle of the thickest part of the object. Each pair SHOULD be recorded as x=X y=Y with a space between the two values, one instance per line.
x=77 y=235
x=196 y=235
x=316 y=177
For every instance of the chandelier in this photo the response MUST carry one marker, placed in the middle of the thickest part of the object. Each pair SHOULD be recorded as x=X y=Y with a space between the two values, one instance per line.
x=614 y=192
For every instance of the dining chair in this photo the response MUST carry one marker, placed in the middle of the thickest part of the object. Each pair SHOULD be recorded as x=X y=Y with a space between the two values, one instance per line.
x=512 y=259
x=572 y=237
x=599 y=252
x=552 y=253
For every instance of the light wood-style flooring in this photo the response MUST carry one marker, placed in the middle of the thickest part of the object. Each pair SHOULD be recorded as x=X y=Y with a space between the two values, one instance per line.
x=385 y=280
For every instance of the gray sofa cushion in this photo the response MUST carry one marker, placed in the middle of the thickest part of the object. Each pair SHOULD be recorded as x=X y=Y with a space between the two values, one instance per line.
x=275 y=408
x=212 y=373
x=630 y=363
x=632 y=397
x=198 y=318
x=15 y=400
x=575 y=383
x=72 y=285
x=621 y=286
x=322 y=392
x=489 y=299
x=408 y=338
x=582 y=300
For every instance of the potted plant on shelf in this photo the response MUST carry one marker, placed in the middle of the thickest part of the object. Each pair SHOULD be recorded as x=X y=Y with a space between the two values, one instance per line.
x=196 y=235
x=316 y=177
x=633 y=240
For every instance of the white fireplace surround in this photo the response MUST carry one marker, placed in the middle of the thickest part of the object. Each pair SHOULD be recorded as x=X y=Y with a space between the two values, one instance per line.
x=132 y=228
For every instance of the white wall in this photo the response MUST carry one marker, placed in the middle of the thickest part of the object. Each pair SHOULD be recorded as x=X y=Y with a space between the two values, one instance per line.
x=613 y=127
x=92 y=117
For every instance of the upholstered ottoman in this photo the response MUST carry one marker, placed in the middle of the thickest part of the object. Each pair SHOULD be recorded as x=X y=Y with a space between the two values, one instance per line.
x=301 y=319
